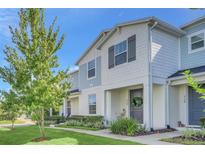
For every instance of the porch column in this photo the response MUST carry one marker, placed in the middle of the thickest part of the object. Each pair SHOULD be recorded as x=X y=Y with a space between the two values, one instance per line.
x=64 y=107
x=51 y=112
x=148 y=106
x=108 y=106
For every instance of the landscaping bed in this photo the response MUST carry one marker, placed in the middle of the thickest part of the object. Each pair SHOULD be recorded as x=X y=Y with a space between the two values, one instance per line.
x=189 y=137
x=157 y=131
x=130 y=127
x=78 y=127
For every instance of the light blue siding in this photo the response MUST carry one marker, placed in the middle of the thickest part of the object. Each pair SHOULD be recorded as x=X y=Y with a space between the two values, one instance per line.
x=74 y=80
x=194 y=59
x=84 y=82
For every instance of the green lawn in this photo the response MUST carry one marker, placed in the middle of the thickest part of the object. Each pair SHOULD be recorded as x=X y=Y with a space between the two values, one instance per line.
x=183 y=141
x=24 y=135
x=9 y=122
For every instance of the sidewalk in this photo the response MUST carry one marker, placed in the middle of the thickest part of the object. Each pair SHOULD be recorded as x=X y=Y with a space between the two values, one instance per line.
x=153 y=139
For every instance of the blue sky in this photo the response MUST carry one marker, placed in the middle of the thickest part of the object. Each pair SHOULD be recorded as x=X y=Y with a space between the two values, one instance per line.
x=81 y=26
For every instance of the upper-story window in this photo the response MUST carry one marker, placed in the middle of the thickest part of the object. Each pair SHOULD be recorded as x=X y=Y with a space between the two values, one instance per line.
x=120 y=51
x=196 y=42
x=91 y=69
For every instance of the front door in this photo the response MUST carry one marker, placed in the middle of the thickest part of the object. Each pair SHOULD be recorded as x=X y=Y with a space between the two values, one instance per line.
x=136 y=112
x=196 y=107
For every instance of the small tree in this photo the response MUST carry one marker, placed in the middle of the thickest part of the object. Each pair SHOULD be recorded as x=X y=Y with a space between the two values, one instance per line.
x=10 y=106
x=194 y=84
x=33 y=64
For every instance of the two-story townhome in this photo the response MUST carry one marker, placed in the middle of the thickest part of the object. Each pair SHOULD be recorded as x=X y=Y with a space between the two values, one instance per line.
x=144 y=59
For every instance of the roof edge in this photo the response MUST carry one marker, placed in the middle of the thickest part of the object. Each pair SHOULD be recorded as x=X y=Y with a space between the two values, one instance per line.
x=193 y=22
x=92 y=44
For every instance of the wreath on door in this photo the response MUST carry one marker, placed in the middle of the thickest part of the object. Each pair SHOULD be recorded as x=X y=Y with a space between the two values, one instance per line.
x=137 y=101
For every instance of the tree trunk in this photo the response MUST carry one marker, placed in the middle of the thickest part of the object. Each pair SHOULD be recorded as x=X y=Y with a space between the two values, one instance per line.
x=12 y=124
x=41 y=123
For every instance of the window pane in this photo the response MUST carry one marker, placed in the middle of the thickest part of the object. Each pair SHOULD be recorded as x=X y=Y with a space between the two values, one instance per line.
x=92 y=109
x=197 y=45
x=91 y=64
x=120 y=59
x=120 y=48
x=92 y=99
x=197 y=38
x=91 y=73
x=92 y=104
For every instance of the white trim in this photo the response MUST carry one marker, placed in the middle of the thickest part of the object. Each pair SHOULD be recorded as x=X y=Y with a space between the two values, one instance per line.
x=90 y=69
x=92 y=104
x=179 y=52
x=187 y=104
x=121 y=52
x=190 y=51
x=183 y=77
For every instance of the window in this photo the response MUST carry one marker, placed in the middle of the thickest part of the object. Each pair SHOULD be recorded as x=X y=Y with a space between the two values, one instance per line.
x=120 y=52
x=68 y=108
x=92 y=104
x=197 y=42
x=91 y=69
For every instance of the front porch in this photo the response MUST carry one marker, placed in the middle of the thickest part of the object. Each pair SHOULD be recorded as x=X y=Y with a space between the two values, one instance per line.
x=185 y=106
x=152 y=112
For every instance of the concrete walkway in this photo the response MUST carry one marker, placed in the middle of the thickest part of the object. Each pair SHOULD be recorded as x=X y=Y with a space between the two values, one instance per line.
x=16 y=125
x=153 y=139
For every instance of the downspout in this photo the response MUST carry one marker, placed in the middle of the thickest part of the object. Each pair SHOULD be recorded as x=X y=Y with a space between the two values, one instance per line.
x=150 y=76
x=167 y=104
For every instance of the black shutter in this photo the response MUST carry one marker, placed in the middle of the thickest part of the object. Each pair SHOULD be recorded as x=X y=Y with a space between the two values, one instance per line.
x=111 y=57
x=132 y=48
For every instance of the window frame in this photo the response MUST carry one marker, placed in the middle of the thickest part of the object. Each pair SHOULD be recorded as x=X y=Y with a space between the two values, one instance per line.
x=89 y=78
x=121 y=52
x=190 y=50
x=68 y=107
x=90 y=95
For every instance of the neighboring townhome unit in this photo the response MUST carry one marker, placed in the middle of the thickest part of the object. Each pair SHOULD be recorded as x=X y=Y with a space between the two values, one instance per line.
x=141 y=59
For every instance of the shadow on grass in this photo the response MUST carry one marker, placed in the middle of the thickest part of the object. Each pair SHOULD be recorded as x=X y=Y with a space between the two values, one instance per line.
x=24 y=135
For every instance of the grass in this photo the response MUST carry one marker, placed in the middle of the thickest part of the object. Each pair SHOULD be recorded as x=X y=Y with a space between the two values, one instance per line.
x=9 y=122
x=24 y=135
x=183 y=141
x=78 y=127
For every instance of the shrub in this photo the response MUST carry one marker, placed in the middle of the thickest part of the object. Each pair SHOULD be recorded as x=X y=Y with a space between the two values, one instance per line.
x=126 y=126
x=56 y=119
x=202 y=122
x=85 y=121
x=193 y=134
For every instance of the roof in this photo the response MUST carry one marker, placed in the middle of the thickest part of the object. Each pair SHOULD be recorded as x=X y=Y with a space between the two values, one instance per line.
x=92 y=44
x=161 y=24
x=74 y=91
x=194 y=70
x=109 y=32
x=193 y=22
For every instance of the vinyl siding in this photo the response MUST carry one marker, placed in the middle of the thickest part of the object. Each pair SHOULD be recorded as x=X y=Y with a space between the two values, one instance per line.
x=84 y=82
x=194 y=59
x=128 y=73
x=165 y=54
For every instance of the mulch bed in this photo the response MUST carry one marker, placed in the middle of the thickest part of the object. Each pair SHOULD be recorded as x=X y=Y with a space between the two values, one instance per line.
x=157 y=131
x=40 y=139
x=193 y=138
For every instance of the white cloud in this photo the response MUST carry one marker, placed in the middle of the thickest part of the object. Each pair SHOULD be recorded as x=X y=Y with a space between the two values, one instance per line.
x=73 y=68
x=8 y=17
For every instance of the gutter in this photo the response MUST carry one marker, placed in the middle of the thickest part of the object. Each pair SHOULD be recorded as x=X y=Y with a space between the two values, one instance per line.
x=150 y=86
